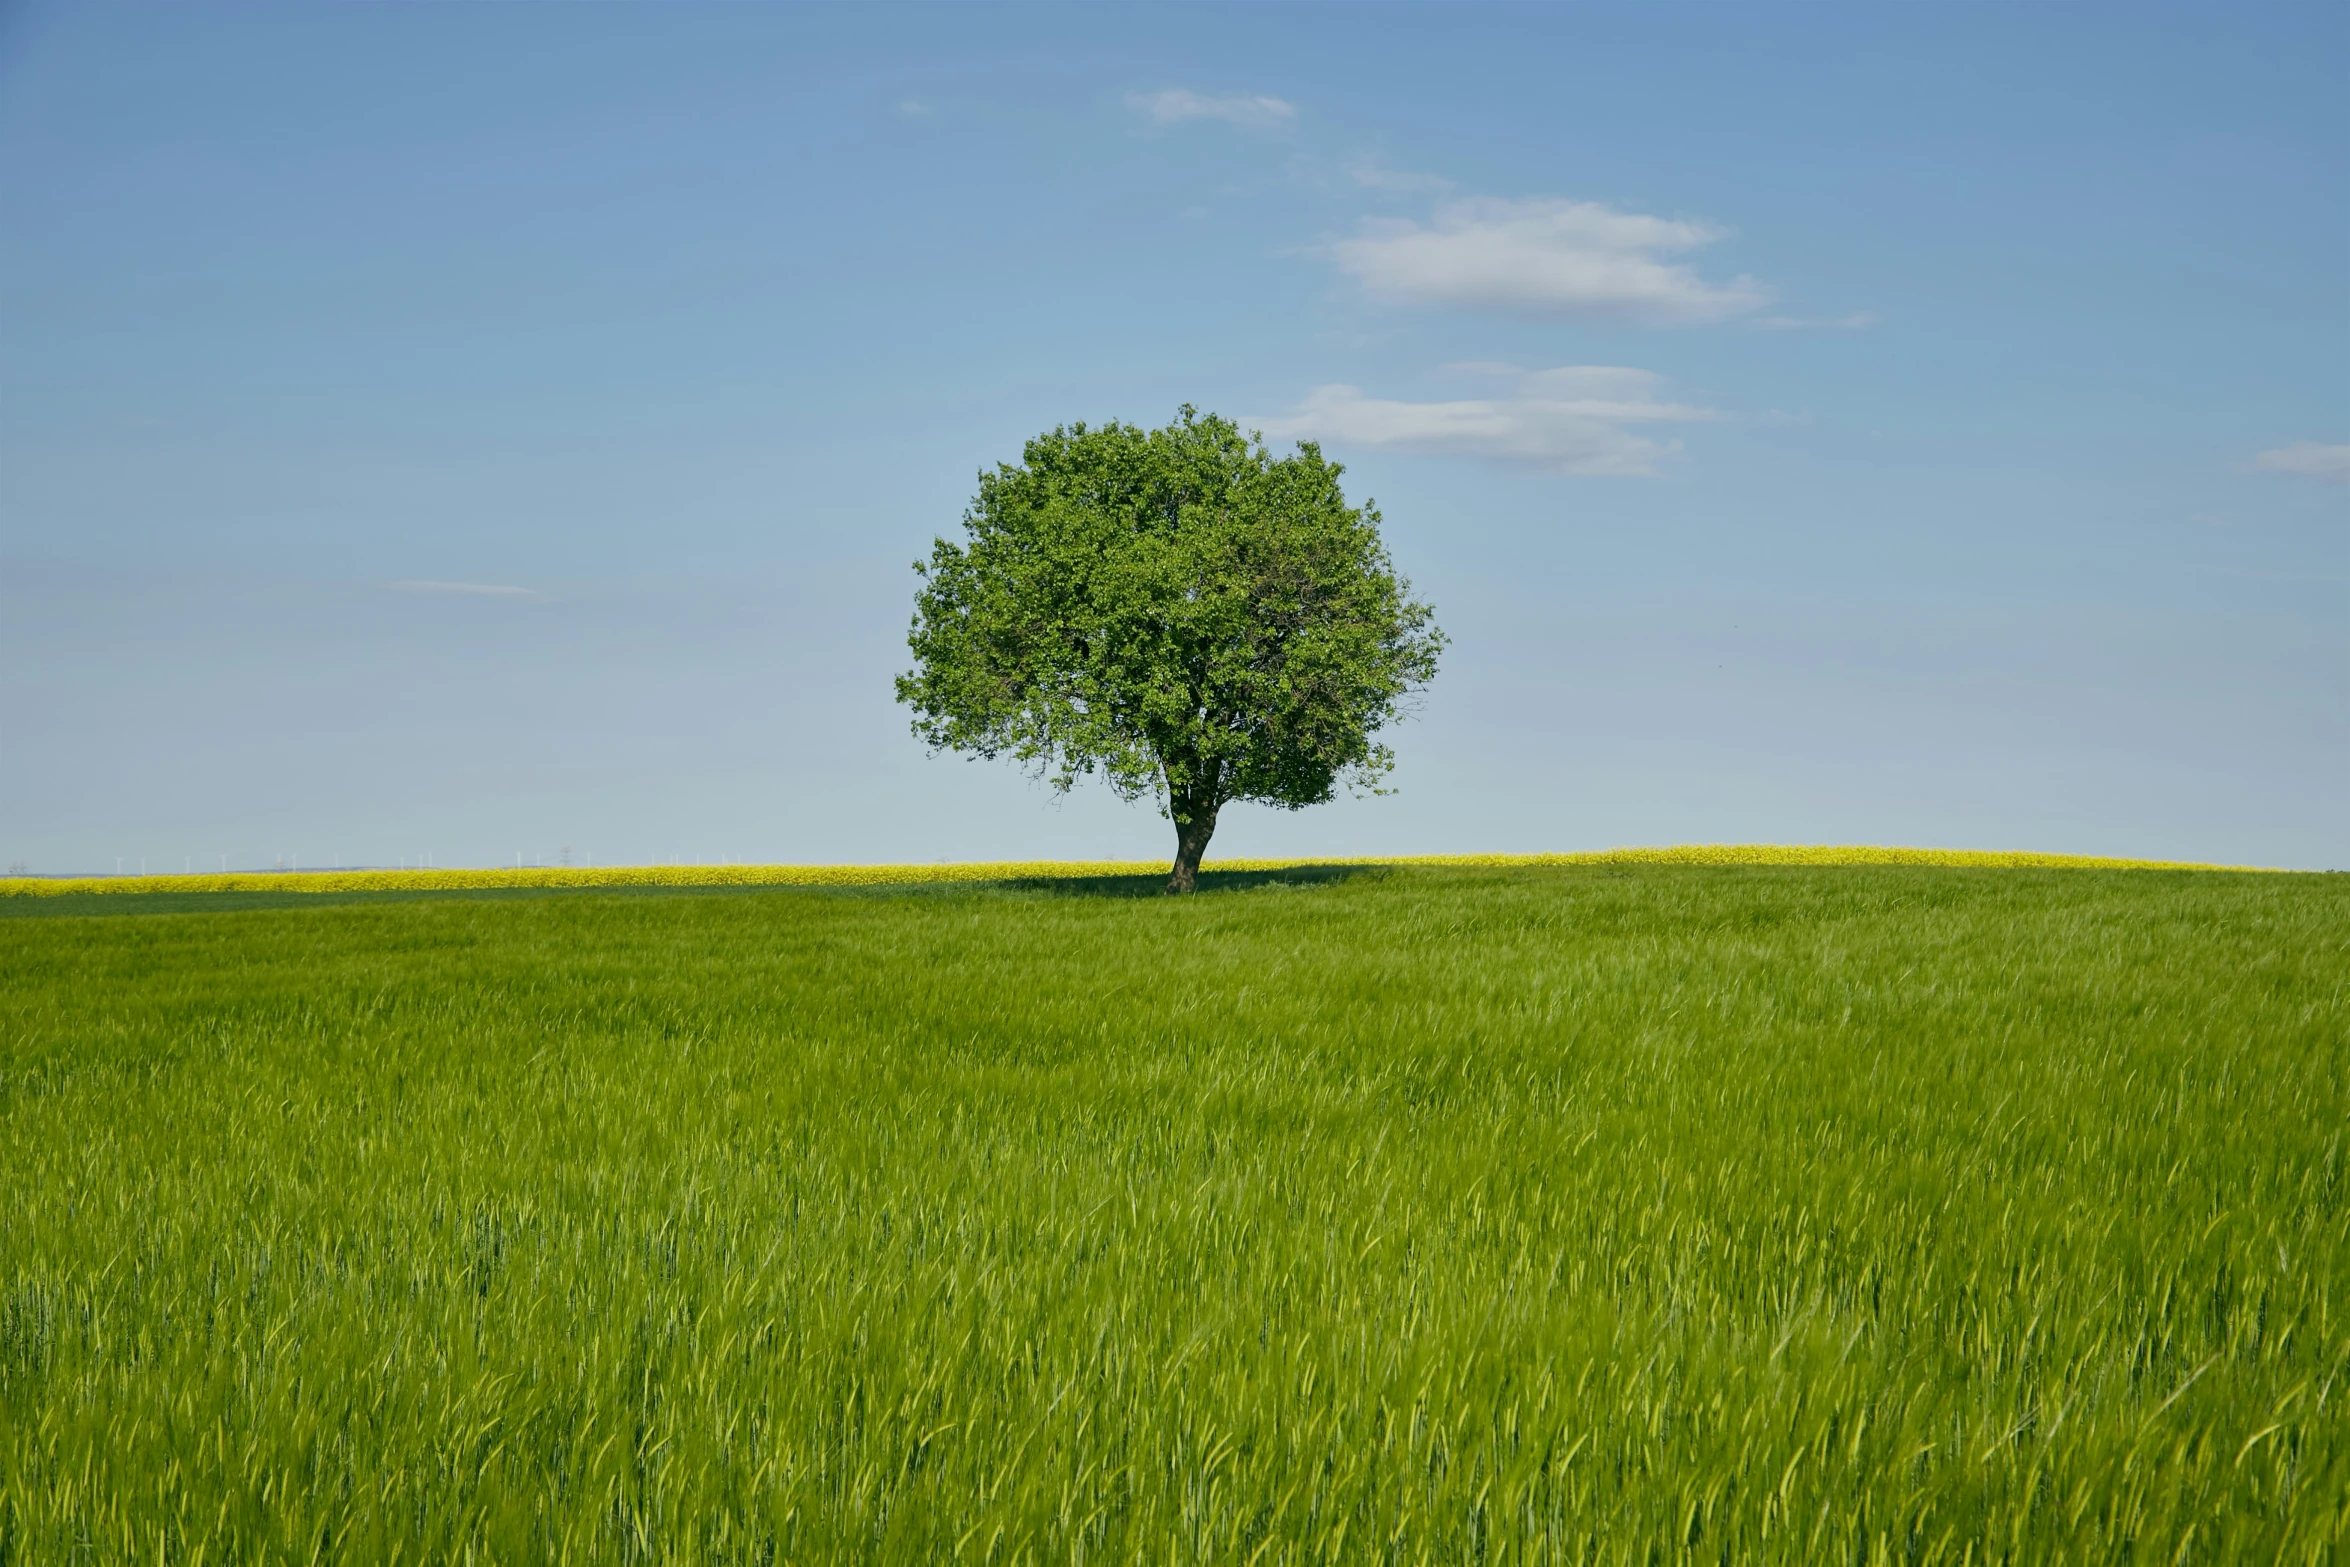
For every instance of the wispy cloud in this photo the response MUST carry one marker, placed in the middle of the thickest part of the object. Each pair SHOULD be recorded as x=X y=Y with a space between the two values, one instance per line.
x=1173 y=105
x=1575 y=260
x=1578 y=419
x=1372 y=177
x=2307 y=460
x=1855 y=322
x=480 y=589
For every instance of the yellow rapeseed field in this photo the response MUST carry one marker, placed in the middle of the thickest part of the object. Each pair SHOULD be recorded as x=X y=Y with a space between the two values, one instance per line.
x=1024 y=870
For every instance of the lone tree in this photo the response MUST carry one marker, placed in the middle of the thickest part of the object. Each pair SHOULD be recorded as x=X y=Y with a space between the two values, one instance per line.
x=1178 y=610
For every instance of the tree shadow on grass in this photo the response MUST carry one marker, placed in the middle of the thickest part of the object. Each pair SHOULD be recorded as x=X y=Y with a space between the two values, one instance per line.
x=1292 y=877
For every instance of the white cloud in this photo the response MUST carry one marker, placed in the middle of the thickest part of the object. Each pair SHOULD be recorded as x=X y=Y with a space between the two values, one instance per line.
x=1572 y=259
x=1578 y=419
x=2308 y=460
x=485 y=589
x=1174 y=105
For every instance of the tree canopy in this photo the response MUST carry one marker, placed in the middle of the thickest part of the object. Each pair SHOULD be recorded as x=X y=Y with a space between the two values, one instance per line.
x=1177 y=610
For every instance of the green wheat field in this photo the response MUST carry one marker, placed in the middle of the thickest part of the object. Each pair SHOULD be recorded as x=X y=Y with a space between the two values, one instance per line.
x=1578 y=1213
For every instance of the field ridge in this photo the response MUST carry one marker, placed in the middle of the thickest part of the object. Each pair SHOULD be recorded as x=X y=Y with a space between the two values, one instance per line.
x=1029 y=870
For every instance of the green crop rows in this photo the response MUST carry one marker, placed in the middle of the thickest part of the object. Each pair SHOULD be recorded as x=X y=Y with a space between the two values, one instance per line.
x=1608 y=1214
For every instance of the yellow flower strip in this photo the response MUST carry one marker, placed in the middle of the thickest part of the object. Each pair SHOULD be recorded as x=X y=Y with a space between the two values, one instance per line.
x=1017 y=870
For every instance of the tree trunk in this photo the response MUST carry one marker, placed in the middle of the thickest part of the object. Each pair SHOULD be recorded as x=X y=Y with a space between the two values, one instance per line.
x=1195 y=823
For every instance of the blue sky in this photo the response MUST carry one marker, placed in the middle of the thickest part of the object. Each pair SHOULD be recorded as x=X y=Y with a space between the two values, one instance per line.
x=1812 y=423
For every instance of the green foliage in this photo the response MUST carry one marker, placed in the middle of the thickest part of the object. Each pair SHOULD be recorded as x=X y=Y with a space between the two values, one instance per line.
x=1607 y=1215
x=1183 y=613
